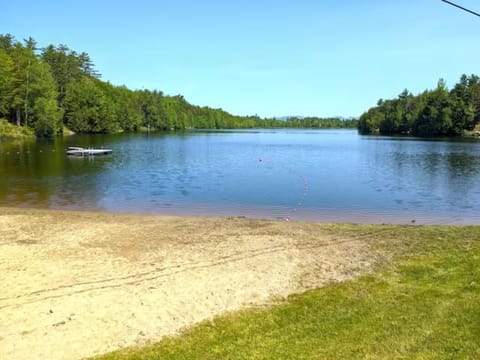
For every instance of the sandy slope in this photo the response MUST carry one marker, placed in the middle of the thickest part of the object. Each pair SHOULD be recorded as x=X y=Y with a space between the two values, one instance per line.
x=76 y=284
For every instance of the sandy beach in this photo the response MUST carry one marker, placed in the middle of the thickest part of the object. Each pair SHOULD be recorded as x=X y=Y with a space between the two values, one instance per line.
x=77 y=284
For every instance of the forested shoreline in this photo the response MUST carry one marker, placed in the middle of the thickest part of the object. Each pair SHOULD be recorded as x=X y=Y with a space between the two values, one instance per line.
x=432 y=113
x=54 y=89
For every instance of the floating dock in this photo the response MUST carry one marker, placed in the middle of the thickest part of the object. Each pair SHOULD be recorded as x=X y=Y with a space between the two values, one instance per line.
x=80 y=151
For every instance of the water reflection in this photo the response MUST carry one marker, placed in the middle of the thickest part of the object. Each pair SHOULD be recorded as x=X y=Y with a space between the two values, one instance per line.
x=39 y=174
x=317 y=175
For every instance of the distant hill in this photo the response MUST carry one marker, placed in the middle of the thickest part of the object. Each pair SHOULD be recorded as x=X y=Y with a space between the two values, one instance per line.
x=284 y=118
x=299 y=117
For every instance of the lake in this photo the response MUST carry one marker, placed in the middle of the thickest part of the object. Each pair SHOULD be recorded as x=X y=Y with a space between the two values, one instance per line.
x=320 y=175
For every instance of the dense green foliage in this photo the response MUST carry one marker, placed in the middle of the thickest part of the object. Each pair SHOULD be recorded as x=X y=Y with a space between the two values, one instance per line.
x=424 y=305
x=49 y=88
x=438 y=112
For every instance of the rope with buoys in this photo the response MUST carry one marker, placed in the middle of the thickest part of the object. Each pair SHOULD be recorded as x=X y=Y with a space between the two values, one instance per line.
x=301 y=201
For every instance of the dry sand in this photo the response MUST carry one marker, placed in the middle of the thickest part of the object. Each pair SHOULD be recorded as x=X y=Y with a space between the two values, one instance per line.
x=77 y=284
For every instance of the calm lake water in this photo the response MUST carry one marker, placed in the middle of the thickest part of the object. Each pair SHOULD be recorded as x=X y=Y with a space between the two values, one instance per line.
x=321 y=175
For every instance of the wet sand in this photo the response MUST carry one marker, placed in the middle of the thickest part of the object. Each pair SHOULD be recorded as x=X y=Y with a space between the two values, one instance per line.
x=77 y=284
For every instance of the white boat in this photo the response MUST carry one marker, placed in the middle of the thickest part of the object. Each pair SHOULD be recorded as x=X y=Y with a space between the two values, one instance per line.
x=80 y=151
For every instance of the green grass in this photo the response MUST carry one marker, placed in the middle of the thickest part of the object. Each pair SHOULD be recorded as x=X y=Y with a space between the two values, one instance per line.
x=423 y=302
x=10 y=131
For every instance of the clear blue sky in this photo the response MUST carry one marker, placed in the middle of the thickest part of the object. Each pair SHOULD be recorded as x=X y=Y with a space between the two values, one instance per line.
x=265 y=57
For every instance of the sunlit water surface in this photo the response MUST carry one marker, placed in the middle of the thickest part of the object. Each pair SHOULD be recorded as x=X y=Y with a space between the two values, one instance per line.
x=320 y=175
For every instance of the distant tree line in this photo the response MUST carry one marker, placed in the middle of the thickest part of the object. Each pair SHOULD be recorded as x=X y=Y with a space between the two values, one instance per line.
x=438 y=112
x=312 y=123
x=53 y=88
